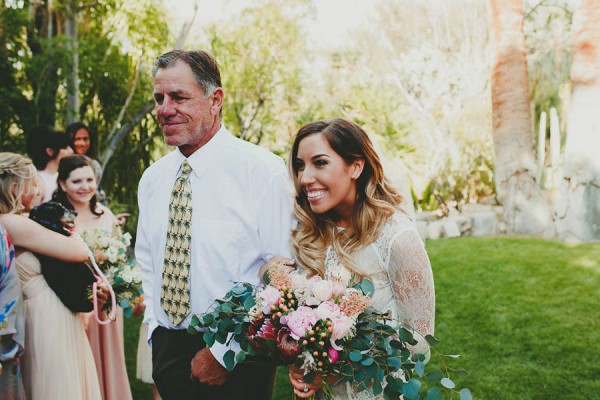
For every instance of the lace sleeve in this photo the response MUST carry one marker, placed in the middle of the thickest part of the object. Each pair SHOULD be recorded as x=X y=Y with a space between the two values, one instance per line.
x=412 y=284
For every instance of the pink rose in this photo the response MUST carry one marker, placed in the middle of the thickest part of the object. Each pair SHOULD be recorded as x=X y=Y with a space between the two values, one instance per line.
x=268 y=297
x=300 y=321
x=322 y=290
x=328 y=309
x=342 y=327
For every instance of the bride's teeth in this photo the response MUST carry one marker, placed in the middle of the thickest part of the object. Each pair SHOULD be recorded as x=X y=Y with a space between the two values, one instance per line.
x=315 y=194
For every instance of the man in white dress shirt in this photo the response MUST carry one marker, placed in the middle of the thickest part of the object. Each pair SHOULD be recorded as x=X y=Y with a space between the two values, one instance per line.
x=241 y=217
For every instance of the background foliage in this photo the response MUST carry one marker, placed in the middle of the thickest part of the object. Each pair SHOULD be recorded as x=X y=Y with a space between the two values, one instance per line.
x=416 y=76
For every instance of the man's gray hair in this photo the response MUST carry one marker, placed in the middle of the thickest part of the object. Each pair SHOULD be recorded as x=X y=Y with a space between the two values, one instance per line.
x=203 y=65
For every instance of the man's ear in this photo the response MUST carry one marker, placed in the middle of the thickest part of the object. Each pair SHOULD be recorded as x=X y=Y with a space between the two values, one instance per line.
x=49 y=152
x=217 y=99
x=358 y=166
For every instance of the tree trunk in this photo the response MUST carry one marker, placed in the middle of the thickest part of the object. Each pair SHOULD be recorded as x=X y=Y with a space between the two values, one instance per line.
x=73 y=71
x=526 y=211
x=578 y=207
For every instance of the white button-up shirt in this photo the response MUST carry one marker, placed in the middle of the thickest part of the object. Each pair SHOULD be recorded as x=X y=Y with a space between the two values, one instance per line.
x=242 y=216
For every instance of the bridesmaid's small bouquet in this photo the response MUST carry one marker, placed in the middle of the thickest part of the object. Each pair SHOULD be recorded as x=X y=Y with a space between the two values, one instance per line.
x=322 y=326
x=121 y=271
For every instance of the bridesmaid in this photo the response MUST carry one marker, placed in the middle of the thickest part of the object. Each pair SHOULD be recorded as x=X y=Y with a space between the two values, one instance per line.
x=57 y=362
x=77 y=191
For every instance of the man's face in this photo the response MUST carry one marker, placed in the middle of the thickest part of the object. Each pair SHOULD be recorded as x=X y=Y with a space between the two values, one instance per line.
x=188 y=119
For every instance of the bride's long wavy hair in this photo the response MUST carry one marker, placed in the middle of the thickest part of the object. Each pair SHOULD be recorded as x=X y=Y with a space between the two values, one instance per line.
x=376 y=200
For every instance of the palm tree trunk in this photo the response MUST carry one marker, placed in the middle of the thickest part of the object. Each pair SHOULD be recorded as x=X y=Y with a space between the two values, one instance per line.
x=578 y=207
x=526 y=211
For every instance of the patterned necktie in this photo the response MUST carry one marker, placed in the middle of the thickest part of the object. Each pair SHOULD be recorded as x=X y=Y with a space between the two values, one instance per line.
x=175 y=291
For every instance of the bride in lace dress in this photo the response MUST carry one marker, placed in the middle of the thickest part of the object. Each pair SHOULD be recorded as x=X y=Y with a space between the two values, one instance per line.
x=350 y=224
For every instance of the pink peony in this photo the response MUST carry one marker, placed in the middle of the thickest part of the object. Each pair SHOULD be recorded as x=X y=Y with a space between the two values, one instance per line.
x=287 y=345
x=333 y=355
x=322 y=290
x=338 y=288
x=327 y=309
x=268 y=297
x=342 y=327
x=300 y=321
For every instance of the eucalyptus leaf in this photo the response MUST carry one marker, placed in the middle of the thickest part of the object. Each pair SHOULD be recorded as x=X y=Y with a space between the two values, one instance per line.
x=228 y=359
x=238 y=291
x=465 y=394
x=431 y=340
x=420 y=368
x=367 y=287
x=240 y=357
x=355 y=355
x=221 y=337
x=209 y=338
x=435 y=376
x=433 y=394
x=394 y=362
x=377 y=388
x=249 y=303
x=238 y=329
x=447 y=383
x=367 y=361
x=227 y=308
x=411 y=389
x=191 y=330
x=207 y=319
x=194 y=321
x=461 y=372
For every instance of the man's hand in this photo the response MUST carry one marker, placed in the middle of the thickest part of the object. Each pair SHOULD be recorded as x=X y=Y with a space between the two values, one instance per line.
x=206 y=369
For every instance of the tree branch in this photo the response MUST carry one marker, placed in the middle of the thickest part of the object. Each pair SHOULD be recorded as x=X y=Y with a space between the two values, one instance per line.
x=123 y=132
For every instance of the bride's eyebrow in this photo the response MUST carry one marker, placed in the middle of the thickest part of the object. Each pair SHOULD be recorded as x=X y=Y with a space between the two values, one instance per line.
x=319 y=155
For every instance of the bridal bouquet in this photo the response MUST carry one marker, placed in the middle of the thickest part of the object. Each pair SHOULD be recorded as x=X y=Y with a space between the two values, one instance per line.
x=321 y=326
x=121 y=271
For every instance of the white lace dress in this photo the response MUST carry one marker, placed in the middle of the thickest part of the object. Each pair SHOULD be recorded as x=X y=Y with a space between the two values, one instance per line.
x=398 y=265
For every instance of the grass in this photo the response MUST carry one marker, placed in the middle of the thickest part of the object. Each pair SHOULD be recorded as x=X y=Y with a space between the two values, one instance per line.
x=523 y=314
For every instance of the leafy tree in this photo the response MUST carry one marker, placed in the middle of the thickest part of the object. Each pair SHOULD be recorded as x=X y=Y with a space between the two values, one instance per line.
x=260 y=55
x=116 y=43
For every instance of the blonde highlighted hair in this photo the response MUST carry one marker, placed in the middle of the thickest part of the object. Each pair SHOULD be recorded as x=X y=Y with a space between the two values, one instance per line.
x=15 y=173
x=376 y=200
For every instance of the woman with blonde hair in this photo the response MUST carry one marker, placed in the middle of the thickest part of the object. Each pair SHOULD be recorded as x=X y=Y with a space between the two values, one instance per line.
x=57 y=361
x=351 y=225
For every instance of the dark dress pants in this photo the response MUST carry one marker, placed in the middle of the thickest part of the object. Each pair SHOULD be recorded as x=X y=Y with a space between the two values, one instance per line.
x=172 y=353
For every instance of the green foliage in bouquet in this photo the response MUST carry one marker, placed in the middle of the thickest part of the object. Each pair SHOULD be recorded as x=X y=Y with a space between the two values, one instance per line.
x=375 y=356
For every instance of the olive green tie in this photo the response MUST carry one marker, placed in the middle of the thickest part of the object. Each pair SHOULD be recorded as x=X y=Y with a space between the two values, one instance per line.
x=175 y=291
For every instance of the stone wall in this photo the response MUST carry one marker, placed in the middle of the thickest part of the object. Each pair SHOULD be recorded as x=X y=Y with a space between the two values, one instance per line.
x=472 y=220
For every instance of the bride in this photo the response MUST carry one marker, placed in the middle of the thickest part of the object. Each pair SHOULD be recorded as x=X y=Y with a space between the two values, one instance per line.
x=350 y=224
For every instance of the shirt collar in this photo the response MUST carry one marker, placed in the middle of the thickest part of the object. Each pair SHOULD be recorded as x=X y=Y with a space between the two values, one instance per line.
x=211 y=147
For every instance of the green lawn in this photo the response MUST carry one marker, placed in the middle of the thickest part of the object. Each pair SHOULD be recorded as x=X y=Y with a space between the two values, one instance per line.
x=523 y=313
